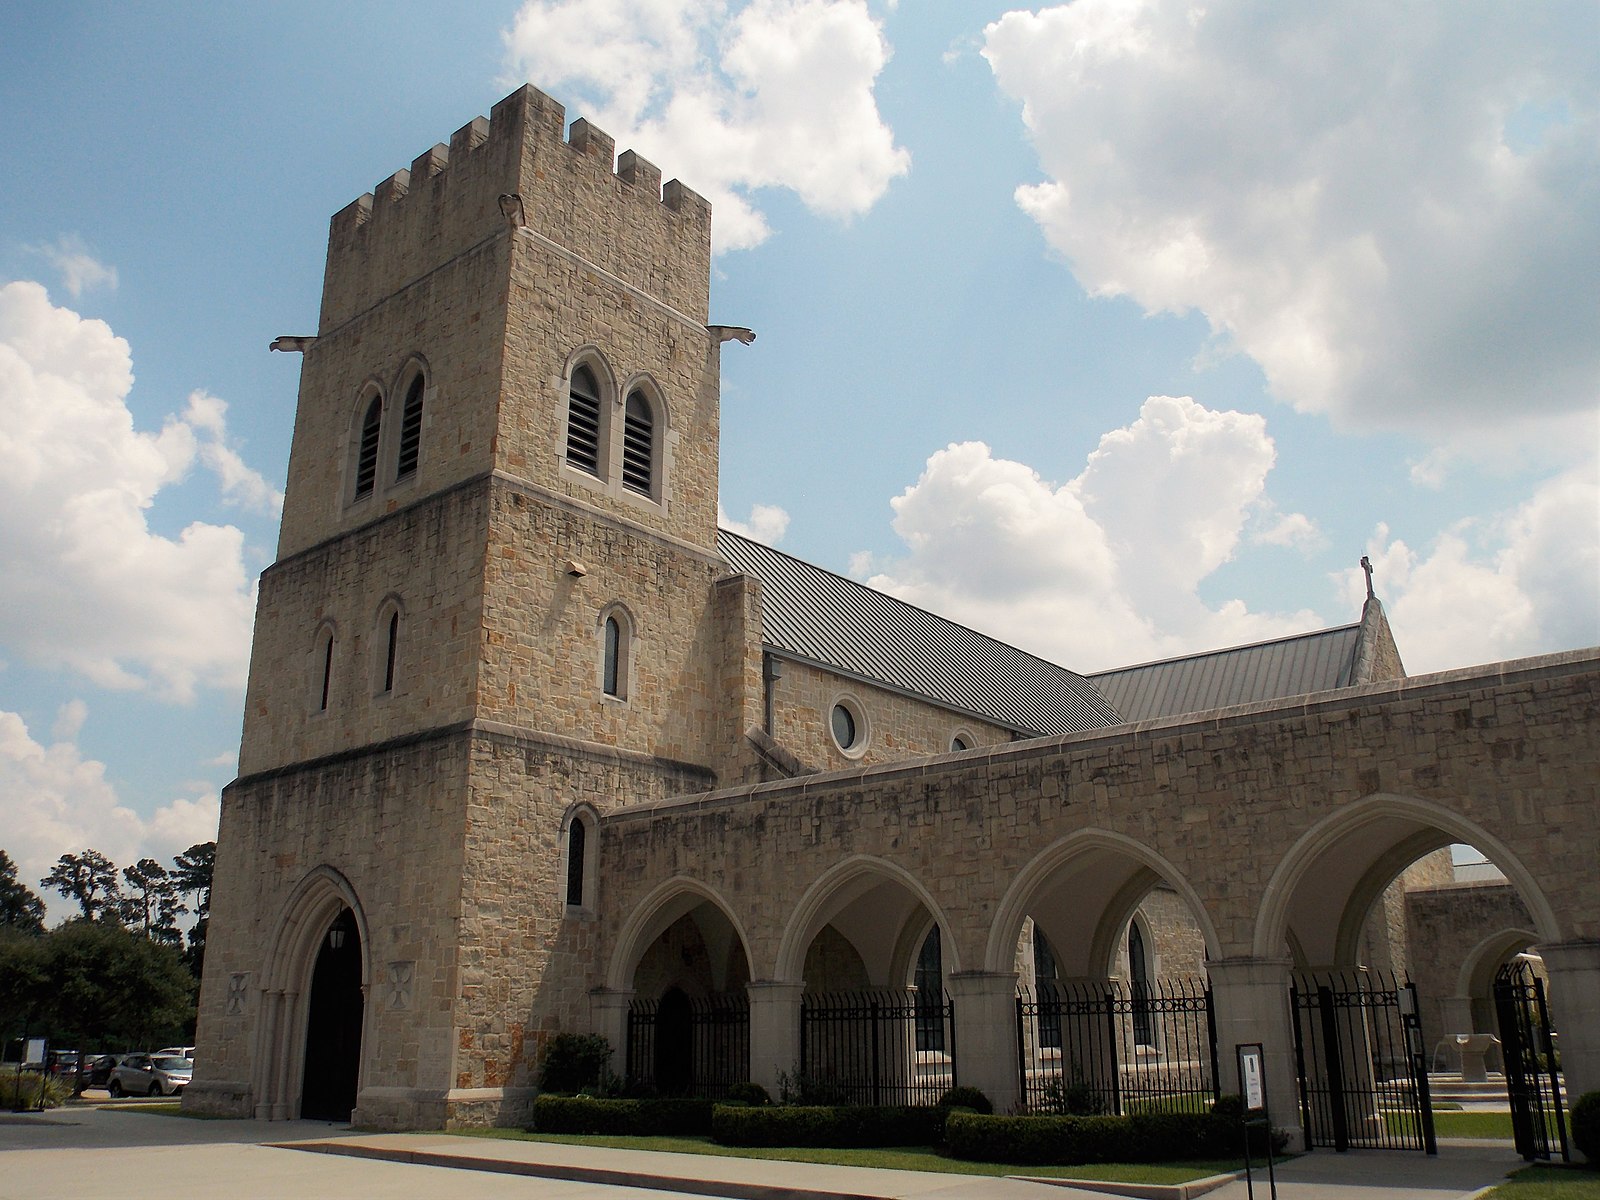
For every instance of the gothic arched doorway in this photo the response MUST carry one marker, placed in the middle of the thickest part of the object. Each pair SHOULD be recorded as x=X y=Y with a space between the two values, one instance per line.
x=674 y=1044
x=333 y=1025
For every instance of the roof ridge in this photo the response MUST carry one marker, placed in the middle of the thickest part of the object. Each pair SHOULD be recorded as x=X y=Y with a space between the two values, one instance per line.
x=1264 y=642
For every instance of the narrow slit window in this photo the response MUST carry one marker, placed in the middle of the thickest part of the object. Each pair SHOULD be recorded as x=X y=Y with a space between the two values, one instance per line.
x=391 y=651
x=611 y=680
x=576 y=836
x=638 y=444
x=583 y=423
x=327 y=673
x=410 y=431
x=367 y=458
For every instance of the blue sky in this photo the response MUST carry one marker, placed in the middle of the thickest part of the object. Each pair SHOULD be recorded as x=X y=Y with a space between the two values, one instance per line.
x=1114 y=329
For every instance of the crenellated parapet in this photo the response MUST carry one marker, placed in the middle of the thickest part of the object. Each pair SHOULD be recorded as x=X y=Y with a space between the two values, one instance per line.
x=612 y=212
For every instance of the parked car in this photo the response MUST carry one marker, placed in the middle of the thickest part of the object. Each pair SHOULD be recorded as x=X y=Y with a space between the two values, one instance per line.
x=180 y=1051
x=150 y=1075
x=63 y=1063
x=98 y=1072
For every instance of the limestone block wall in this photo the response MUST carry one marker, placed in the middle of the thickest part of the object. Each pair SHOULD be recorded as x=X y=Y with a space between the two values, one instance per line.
x=527 y=961
x=429 y=558
x=542 y=651
x=452 y=321
x=1463 y=929
x=389 y=822
x=901 y=726
x=561 y=308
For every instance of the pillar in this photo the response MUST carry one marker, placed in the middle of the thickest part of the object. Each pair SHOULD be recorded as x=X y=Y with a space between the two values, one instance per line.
x=1574 y=997
x=608 y=1009
x=774 y=1031
x=986 y=1034
x=1251 y=998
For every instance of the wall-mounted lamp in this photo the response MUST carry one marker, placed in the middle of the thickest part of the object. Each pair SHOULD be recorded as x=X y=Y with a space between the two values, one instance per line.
x=576 y=569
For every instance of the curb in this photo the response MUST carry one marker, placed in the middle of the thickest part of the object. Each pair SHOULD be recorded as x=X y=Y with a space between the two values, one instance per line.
x=1141 y=1191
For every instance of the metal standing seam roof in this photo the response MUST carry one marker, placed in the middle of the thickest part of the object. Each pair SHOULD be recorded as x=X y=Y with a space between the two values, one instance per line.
x=1292 y=666
x=816 y=615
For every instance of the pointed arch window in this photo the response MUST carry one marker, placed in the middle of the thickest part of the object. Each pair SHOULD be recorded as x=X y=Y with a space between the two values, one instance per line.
x=612 y=681
x=638 y=444
x=1139 y=980
x=583 y=422
x=391 y=651
x=616 y=651
x=929 y=1006
x=576 y=837
x=1044 y=984
x=367 y=453
x=410 y=430
x=580 y=864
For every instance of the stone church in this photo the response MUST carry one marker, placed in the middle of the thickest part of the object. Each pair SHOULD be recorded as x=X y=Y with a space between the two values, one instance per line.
x=532 y=747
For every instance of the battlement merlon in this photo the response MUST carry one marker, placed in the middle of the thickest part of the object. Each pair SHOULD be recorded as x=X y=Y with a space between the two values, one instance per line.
x=614 y=212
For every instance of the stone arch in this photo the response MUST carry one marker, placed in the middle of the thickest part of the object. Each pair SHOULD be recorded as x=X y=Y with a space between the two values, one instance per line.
x=312 y=907
x=1478 y=967
x=1380 y=833
x=1127 y=869
x=655 y=914
x=842 y=886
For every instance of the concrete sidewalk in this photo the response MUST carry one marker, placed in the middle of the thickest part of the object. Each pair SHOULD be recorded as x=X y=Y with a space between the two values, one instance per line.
x=100 y=1151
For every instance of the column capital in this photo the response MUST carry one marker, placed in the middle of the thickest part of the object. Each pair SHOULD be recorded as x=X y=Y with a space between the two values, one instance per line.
x=774 y=990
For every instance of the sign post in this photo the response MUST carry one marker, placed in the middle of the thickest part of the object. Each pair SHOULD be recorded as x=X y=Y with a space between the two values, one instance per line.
x=1253 y=1085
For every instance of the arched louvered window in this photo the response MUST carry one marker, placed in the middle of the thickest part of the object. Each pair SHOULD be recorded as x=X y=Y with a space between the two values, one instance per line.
x=410 y=430
x=367 y=455
x=638 y=444
x=577 y=835
x=583 y=422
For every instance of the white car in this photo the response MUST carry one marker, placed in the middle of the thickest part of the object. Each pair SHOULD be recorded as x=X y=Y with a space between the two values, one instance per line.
x=151 y=1075
x=180 y=1051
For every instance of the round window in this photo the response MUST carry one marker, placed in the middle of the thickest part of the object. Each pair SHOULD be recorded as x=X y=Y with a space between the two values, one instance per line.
x=844 y=727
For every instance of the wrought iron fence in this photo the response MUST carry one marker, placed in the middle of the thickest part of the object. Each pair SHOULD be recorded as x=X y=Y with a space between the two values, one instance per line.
x=683 y=1047
x=1115 y=1047
x=1360 y=1060
x=877 y=1047
x=1533 y=1068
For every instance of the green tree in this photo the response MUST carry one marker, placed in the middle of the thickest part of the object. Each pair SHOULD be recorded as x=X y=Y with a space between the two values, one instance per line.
x=106 y=985
x=90 y=879
x=152 y=905
x=192 y=874
x=23 y=992
x=20 y=909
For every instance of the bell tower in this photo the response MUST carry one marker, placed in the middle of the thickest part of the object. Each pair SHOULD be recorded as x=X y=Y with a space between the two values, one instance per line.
x=497 y=610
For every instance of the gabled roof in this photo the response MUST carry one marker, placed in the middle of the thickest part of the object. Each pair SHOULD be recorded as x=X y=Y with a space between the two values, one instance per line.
x=1291 y=666
x=823 y=618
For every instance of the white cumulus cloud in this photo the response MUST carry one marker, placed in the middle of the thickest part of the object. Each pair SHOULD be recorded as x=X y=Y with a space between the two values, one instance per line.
x=87 y=584
x=1103 y=570
x=767 y=524
x=728 y=97
x=1395 y=211
x=1525 y=582
x=59 y=802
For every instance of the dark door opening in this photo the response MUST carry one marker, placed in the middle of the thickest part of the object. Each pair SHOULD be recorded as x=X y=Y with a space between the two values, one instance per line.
x=675 y=1044
x=333 y=1025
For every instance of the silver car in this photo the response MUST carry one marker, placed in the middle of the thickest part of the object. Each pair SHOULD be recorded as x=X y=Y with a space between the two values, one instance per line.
x=150 y=1075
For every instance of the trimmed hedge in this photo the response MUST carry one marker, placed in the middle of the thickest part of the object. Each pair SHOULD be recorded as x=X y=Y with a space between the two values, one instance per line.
x=1584 y=1120
x=816 y=1125
x=641 y=1118
x=1066 y=1140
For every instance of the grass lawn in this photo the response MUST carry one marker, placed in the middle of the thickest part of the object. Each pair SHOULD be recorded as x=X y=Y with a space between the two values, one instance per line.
x=1549 y=1183
x=1447 y=1124
x=899 y=1158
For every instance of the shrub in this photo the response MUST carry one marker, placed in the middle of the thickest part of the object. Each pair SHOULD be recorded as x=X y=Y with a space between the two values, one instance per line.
x=635 y=1118
x=966 y=1097
x=1066 y=1139
x=1077 y=1099
x=826 y=1125
x=575 y=1061
x=1585 y=1122
x=809 y=1091
x=55 y=1090
x=752 y=1094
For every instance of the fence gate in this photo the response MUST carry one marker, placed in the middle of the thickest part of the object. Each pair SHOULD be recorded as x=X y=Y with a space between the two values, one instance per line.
x=876 y=1047
x=1116 y=1047
x=1362 y=1066
x=1533 y=1075
x=683 y=1047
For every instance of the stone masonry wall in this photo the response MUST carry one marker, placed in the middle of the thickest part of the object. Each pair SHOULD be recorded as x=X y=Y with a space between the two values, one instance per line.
x=901 y=727
x=389 y=822
x=1446 y=925
x=429 y=556
x=1223 y=796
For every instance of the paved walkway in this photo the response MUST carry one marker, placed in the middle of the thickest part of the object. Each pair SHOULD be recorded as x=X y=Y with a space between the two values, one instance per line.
x=102 y=1152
